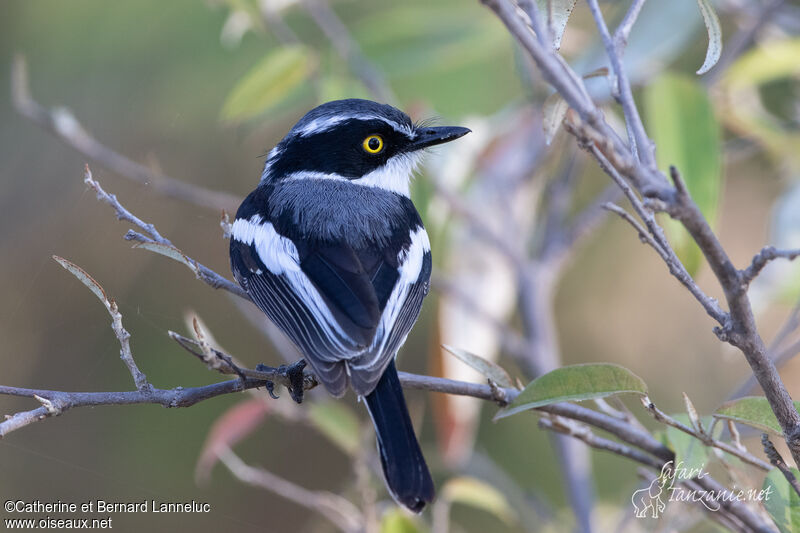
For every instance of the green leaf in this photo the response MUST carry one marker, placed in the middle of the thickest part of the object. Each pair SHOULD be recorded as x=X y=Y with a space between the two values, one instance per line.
x=711 y=21
x=781 y=501
x=269 y=82
x=489 y=369
x=575 y=383
x=753 y=411
x=762 y=64
x=690 y=453
x=395 y=521
x=338 y=423
x=556 y=17
x=476 y=493
x=681 y=121
x=744 y=109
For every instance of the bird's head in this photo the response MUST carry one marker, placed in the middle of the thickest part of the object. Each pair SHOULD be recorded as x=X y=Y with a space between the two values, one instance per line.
x=360 y=141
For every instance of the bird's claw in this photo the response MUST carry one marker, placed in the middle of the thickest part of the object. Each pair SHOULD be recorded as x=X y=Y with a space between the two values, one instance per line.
x=271 y=390
x=294 y=379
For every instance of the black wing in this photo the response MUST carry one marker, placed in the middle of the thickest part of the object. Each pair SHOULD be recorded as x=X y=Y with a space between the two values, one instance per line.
x=339 y=305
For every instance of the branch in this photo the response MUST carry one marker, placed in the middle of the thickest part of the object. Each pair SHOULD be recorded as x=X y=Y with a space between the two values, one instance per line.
x=154 y=242
x=704 y=436
x=776 y=459
x=348 y=49
x=662 y=247
x=63 y=124
x=625 y=27
x=343 y=514
x=139 y=379
x=767 y=254
x=177 y=397
x=643 y=147
x=709 y=486
x=586 y=123
x=584 y=434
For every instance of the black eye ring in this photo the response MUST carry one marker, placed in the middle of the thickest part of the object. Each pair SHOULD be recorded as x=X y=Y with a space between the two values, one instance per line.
x=373 y=144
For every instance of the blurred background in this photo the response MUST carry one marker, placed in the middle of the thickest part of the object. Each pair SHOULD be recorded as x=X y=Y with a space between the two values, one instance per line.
x=200 y=91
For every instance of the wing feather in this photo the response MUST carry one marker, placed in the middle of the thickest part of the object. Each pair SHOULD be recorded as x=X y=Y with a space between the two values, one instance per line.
x=347 y=310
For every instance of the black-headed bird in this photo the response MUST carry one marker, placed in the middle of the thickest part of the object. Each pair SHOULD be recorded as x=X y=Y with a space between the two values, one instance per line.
x=331 y=248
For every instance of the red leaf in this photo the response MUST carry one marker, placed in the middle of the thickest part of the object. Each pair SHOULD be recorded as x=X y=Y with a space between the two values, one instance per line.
x=232 y=427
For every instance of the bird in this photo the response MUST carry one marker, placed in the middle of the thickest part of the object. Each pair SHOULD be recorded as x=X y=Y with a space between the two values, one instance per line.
x=331 y=248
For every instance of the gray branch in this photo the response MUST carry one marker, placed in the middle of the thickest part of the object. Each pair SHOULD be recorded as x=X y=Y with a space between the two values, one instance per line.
x=767 y=254
x=63 y=124
x=152 y=236
x=586 y=122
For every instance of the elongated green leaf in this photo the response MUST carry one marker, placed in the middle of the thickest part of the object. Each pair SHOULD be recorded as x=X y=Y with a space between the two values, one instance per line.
x=762 y=64
x=681 y=121
x=269 y=82
x=753 y=411
x=476 y=493
x=781 y=501
x=489 y=369
x=556 y=13
x=711 y=21
x=576 y=383
x=745 y=111
x=338 y=423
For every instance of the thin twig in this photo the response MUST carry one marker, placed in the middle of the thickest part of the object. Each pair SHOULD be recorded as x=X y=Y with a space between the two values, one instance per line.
x=202 y=272
x=709 y=487
x=340 y=511
x=139 y=379
x=347 y=47
x=776 y=459
x=583 y=433
x=645 y=148
x=703 y=436
x=666 y=252
x=767 y=254
x=63 y=124
x=624 y=29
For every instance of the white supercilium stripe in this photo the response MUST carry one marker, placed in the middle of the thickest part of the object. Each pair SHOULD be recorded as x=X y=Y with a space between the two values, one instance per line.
x=318 y=125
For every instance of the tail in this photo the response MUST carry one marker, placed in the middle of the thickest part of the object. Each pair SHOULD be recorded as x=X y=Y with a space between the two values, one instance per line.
x=404 y=468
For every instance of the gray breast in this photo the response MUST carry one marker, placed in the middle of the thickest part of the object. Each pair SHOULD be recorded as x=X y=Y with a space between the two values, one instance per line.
x=335 y=210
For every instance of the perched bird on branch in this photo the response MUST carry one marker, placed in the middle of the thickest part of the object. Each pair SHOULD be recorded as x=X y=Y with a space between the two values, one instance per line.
x=331 y=248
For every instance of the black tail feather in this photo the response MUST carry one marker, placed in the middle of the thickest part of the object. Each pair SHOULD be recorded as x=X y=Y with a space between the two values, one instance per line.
x=404 y=468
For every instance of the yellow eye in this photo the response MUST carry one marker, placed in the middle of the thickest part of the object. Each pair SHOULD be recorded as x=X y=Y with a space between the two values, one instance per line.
x=373 y=144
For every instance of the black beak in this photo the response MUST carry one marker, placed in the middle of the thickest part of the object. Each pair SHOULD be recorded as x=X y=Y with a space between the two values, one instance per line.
x=432 y=136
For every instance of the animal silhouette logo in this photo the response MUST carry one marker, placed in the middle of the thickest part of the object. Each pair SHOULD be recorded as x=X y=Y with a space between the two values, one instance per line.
x=651 y=498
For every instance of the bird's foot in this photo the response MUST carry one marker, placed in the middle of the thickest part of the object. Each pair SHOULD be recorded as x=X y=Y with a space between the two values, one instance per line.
x=292 y=377
x=296 y=378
